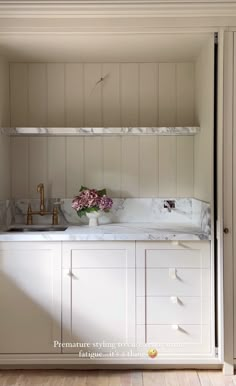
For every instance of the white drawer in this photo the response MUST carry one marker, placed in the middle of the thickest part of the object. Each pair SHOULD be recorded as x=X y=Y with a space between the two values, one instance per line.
x=173 y=282
x=187 y=339
x=173 y=310
x=168 y=254
x=186 y=258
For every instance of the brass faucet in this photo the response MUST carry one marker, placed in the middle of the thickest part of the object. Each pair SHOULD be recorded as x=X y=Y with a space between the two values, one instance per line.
x=42 y=209
x=40 y=189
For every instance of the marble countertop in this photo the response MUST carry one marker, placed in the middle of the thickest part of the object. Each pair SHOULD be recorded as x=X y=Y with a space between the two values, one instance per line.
x=110 y=232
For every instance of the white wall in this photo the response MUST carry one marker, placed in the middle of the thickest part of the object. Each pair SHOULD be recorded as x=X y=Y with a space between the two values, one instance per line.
x=132 y=94
x=203 y=143
x=4 y=122
x=140 y=166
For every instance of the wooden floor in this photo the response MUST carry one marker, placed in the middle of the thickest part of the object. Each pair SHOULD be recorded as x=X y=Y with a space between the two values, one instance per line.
x=115 y=378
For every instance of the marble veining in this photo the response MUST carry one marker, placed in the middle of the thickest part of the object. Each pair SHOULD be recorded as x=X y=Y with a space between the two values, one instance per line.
x=6 y=213
x=86 y=131
x=124 y=210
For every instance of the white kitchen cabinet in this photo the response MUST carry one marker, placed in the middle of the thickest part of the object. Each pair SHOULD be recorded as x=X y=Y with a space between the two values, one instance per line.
x=98 y=294
x=30 y=297
x=174 y=296
x=150 y=292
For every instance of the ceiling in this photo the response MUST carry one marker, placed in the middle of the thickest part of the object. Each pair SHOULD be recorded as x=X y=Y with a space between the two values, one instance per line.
x=101 y=47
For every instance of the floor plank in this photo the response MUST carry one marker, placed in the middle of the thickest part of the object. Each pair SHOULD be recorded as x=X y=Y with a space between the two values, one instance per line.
x=126 y=378
x=204 y=378
x=115 y=378
x=218 y=379
x=137 y=378
x=155 y=377
x=97 y=378
x=171 y=378
x=188 y=378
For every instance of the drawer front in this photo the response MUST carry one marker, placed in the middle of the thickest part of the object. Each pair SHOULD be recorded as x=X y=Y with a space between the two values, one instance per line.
x=186 y=339
x=98 y=255
x=177 y=282
x=173 y=310
x=168 y=254
x=186 y=258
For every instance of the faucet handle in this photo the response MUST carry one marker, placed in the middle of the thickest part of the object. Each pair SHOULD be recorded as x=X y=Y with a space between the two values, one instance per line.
x=29 y=215
x=40 y=186
x=55 y=216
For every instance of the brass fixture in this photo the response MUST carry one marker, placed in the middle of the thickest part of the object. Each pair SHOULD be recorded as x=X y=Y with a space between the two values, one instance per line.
x=42 y=210
x=55 y=216
x=40 y=190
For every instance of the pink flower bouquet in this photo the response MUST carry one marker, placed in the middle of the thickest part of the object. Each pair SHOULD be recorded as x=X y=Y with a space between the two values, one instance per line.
x=91 y=200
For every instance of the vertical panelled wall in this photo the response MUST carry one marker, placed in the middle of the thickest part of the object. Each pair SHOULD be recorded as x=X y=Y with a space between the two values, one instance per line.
x=131 y=94
x=140 y=166
x=4 y=122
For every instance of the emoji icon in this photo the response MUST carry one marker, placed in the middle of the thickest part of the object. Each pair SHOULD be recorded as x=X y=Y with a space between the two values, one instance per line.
x=152 y=353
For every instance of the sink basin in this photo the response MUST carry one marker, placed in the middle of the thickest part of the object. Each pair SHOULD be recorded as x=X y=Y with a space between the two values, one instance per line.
x=44 y=228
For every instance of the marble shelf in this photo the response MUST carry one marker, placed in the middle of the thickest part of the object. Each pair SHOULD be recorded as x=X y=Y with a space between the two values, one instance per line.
x=86 y=131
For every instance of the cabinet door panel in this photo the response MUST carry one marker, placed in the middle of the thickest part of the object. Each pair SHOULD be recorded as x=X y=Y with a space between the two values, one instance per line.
x=99 y=301
x=30 y=300
x=101 y=306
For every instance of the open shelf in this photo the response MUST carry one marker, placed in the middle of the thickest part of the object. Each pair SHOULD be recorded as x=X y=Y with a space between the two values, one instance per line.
x=86 y=131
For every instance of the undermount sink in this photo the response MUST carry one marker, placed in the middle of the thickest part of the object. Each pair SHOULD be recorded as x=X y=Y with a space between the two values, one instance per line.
x=44 y=228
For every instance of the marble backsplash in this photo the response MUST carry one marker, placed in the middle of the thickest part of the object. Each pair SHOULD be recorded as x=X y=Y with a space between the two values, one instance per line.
x=188 y=211
x=6 y=213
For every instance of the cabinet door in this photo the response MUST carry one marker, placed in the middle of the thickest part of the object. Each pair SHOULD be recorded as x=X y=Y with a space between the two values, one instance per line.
x=98 y=295
x=30 y=300
x=175 y=296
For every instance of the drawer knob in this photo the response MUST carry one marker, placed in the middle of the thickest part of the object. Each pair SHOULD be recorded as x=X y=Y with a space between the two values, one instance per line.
x=174 y=299
x=175 y=327
x=175 y=243
x=172 y=273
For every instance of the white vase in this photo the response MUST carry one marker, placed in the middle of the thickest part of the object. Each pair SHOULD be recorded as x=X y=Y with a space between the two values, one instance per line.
x=93 y=218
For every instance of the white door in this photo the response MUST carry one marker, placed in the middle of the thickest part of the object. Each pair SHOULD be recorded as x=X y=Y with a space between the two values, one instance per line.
x=98 y=295
x=30 y=300
x=229 y=198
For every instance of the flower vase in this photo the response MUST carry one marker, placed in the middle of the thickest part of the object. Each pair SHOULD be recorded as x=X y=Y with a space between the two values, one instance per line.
x=93 y=218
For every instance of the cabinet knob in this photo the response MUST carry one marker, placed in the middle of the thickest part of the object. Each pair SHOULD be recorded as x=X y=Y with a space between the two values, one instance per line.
x=175 y=327
x=172 y=273
x=69 y=273
x=175 y=243
x=226 y=230
x=174 y=299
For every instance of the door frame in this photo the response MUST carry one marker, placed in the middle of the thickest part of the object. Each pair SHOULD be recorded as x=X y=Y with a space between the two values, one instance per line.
x=225 y=203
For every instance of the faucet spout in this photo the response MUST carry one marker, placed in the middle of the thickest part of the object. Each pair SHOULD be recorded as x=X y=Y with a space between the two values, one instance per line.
x=169 y=205
x=42 y=209
x=40 y=189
